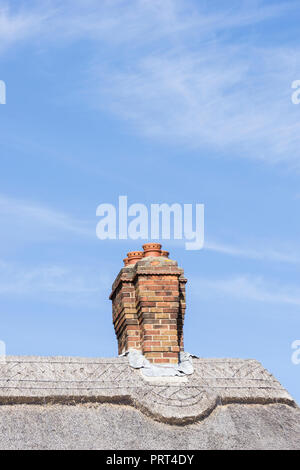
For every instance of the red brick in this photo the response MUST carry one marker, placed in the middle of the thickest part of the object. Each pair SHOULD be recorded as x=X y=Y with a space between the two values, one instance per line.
x=148 y=309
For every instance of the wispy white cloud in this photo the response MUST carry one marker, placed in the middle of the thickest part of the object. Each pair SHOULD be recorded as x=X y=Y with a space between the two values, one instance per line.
x=19 y=217
x=177 y=71
x=25 y=220
x=54 y=283
x=220 y=97
x=206 y=90
x=16 y=26
x=61 y=284
x=248 y=288
x=267 y=252
x=145 y=21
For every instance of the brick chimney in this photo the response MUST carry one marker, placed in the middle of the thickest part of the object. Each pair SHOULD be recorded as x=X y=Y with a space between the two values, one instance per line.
x=148 y=302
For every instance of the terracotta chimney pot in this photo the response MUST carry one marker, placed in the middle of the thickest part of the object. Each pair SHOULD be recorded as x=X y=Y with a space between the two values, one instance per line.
x=152 y=249
x=134 y=256
x=164 y=253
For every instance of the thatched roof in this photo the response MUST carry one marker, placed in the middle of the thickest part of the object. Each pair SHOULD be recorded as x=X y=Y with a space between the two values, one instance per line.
x=60 y=402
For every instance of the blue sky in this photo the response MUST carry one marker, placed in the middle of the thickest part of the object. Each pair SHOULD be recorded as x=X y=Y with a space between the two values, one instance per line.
x=174 y=101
